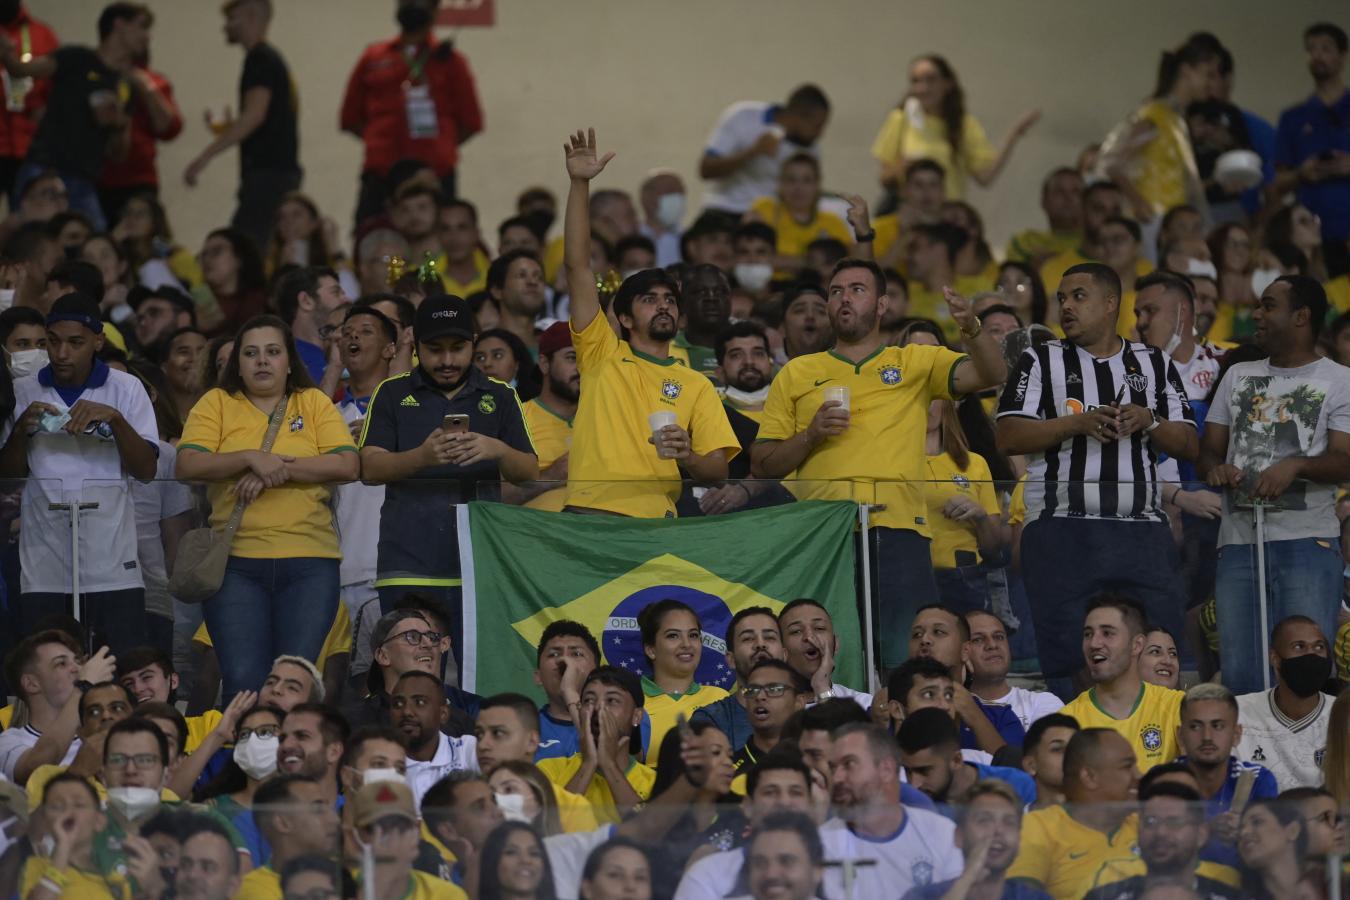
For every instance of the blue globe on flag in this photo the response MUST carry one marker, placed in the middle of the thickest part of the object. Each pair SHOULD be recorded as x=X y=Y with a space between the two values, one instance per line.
x=621 y=640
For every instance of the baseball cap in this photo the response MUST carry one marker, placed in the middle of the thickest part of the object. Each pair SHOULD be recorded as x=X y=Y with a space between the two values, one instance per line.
x=444 y=315
x=381 y=800
x=76 y=307
x=557 y=336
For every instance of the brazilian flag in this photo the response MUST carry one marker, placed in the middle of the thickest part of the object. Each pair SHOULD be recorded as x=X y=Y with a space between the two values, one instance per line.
x=524 y=568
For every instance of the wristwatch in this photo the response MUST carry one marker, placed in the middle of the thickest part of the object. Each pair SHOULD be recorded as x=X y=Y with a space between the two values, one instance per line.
x=868 y=237
x=84 y=686
x=1155 y=423
x=974 y=332
x=825 y=695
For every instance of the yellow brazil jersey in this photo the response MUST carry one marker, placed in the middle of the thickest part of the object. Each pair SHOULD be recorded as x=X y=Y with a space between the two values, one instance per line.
x=561 y=769
x=574 y=810
x=1066 y=857
x=905 y=137
x=71 y=883
x=284 y=522
x=1017 y=503
x=945 y=481
x=422 y=886
x=1033 y=245
x=464 y=288
x=927 y=304
x=795 y=236
x=1151 y=726
x=888 y=235
x=1338 y=294
x=262 y=883
x=339 y=640
x=553 y=259
x=664 y=709
x=614 y=466
x=1166 y=170
x=879 y=458
x=199 y=727
x=552 y=436
x=6 y=715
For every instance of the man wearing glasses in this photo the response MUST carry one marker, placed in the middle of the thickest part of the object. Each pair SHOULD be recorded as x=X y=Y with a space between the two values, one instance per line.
x=305 y=298
x=771 y=694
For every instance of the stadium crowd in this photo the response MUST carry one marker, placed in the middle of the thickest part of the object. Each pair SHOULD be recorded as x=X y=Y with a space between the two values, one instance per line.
x=1107 y=458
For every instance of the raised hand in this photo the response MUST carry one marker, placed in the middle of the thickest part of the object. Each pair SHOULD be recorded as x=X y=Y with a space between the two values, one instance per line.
x=962 y=310
x=858 y=217
x=583 y=162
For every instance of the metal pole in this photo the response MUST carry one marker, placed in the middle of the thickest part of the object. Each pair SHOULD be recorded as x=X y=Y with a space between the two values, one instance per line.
x=75 y=508
x=868 y=656
x=1260 y=513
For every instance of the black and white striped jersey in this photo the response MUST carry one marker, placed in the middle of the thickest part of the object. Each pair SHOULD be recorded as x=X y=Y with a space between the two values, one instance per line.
x=1084 y=477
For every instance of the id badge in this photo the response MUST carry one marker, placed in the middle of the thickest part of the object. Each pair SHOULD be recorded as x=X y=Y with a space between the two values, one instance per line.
x=16 y=91
x=421 y=112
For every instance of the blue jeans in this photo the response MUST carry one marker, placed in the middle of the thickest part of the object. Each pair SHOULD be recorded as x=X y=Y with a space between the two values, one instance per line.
x=267 y=608
x=81 y=195
x=1303 y=577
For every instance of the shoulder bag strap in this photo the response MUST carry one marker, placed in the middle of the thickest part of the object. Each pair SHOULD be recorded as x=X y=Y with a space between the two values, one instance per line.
x=273 y=428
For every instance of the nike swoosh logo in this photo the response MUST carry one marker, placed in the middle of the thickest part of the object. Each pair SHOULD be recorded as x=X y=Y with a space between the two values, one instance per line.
x=1078 y=855
x=626 y=359
x=822 y=381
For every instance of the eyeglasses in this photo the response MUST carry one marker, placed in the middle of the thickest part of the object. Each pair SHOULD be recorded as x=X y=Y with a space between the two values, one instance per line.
x=139 y=760
x=751 y=691
x=412 y=637
x=262 y=731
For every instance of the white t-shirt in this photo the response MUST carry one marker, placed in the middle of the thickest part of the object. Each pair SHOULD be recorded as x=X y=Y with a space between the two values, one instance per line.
x=712 y=877
x=567 y=855
x=453 y=754
x=739 y=127
x=1027 y=705
x=920 y=853
x=15 y=742
x=358 y=517
x=1291 y=750
x=67 y=468
x=161 y=499
x=1198 y=373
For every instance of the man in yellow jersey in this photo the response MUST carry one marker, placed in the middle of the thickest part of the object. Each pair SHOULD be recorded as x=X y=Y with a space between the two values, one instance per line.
x=297 y=820
x=1065 y=846
x=625 y=461
x=1101 y=201
x=148 y=673
x=1144 y=714
x=1062 y=201
x=856 y=416
x=463 y=266
x=932 y=268
x=549 y=416
x=1121 y=242
x=385 y=818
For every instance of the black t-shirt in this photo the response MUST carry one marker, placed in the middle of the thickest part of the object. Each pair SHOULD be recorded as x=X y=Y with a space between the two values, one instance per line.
x=69 y=138
x=274 y=145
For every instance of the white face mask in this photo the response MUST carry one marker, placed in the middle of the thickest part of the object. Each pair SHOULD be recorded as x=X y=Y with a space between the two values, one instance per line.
x=378 y=776
x=753 y=276
x=1262 y=279
x=670 y=210
x=1201 y=267
x=133 y=802
x=512 y=807
x=6 y=298
x=257 y=756
x=746 y=399
x=27 y=362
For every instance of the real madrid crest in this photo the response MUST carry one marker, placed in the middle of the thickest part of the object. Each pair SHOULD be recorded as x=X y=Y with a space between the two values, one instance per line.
x=487 y=404
x=671 y=389
x=890 y=374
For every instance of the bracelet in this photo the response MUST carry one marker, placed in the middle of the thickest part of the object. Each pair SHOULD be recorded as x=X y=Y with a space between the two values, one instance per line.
x=867 y=237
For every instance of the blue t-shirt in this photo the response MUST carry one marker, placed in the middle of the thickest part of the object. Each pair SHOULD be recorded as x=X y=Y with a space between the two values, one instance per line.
x=1312 y=129
x=1021 y=783
x=315 y=360
x=729 y=717
x=558 y=738
x=1012 y=890
x=1004 y=720
x=1263 y=788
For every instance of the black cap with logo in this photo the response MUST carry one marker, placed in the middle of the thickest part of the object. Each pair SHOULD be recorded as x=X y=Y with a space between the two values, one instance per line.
x=444 y=315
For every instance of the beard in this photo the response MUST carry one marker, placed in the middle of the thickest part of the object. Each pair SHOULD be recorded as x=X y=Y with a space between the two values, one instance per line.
x=747 y=379
x=659 y=330
x=564 y=389
x=859 y=328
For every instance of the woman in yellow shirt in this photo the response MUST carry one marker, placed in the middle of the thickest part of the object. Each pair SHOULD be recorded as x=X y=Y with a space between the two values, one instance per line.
x=280 y=591
x=963 y=510
x=795 y=214
x=672 y=640
x=931 y=122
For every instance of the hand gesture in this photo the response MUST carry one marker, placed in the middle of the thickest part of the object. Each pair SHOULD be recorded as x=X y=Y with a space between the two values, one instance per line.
x=471 y=447
x=1098 y=424
x=613 y=741
x=671 y=442
x=830 y=420
x=143 y=865
x=1201 y=504
x=356 y=426
x=28 y=422
x=858 y=218
x=194 y=171
x=724 y=499
x=881 y=708
x=962 y=310
x=229 y=718
x=86 y=412
x=270 y=467
x=1131 y=418
x=99 y=667
x=590 y=750
x=1224 y=475
x=823 y=679
x=438 y=449
x=573 y=678
x=1224 y=827
x=1275 y=480
x=961 y=508
x=697 y=762
x=1024 y=124
x=767 y=143
x=583 y=163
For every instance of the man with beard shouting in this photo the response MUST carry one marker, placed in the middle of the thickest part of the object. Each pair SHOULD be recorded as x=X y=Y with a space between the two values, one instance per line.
x=848 y=423
x=645 y=420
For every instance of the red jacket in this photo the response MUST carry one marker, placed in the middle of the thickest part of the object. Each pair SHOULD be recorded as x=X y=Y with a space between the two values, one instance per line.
x=138 y=168
x=17 y=128
x=376 y=109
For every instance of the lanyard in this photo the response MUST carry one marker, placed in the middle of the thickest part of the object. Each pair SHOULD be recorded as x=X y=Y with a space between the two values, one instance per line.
x=25 y=44
x=418 y=63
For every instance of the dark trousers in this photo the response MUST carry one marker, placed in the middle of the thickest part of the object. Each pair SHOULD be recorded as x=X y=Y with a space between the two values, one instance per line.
x=260 y=193
x=902 y=583
x=1066 y=562
x=375 y=191
x=114 y=618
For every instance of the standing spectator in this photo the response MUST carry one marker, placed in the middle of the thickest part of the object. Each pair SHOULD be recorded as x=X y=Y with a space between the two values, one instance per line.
x=1062 y=202
x=84 y=122
x=549 y=416
x=663 y=207
x=410 y=98
x=1094 y=411
x=154 y=117
x=266 y=130
x=232 y=288
x=871 y=437
x=931 y=122
x=1312 y=141
x=632 y=377
x=705 y=299
x=750 y=142
x=280 y=590
x=80 y=432
x=516 y=281
x=30 y=37
x=305 y=298
x=1278 y=434
x=793 y=212
x=427 y=467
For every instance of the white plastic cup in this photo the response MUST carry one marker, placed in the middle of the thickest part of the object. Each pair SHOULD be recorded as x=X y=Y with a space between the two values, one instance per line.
x=837 y=395
x=658 y=420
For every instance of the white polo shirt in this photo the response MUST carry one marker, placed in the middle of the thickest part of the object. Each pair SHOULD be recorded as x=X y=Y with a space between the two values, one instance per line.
x=740 y=125
x=358 y=514
x=453 y=754
x=67 y=468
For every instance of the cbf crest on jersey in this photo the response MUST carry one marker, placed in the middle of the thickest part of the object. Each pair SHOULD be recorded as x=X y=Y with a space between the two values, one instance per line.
x=670 y=389
x=890 y=374
x=1151 y=736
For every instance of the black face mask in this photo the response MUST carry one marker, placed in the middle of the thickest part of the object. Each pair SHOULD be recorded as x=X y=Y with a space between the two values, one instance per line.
x=413 y=17
x=1305 y=675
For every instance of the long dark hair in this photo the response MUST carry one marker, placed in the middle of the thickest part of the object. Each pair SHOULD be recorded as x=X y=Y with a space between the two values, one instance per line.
x=489 y=879
x=296 y=379
x=597 y=856
x=1285 y=814
x=1039 y=300
x=953 y=110
x=252 y=276
x=1192 y=53
x=527 y=374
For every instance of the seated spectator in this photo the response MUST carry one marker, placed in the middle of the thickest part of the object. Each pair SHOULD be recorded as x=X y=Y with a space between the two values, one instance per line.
x=672 y=640
x=71 y=866
x=302 y=236
x=526 y=795
x=700 y=822
x=292 y=680
x=101 y=706
x=306 y=876
x=1043 y=756
x=1286 y=728
x=618 y=868
x=292 y=814
x=705 y=300
x=384 y=816
x=1144 y=714
x=752 y=637
x=513 y=864
x=1064 y=847
x=460 y=810
x=566 y=655
x=418 y=708
x=930 y=751
x=810 y=645
x=305 y=298
x=784 y=858
x=989 y=659
x=1158 y=663
x=1272 y=843
x=974 y=259
x=23 y=334
x=710 y=239
x=942 y=634
x=606 y=770
x=988 y=833
x=207 y=867
x=135 y=765
x=908 y=847
x=549 y=416
x=1322 y=818
x=313 y=738
x=1021 y=287
x=1062 y=202
x=148 y=674
x=795 y=215
x=503 y=356
x=931 y=267
x=755 y=244
x=772 y=693
x=806 y=322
